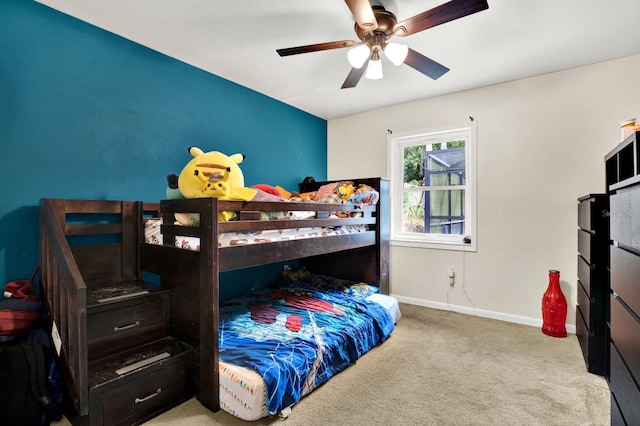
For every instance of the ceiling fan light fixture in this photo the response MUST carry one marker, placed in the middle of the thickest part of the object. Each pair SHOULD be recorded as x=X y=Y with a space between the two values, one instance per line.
x=374 y=69
x=396 y=52
x=358 y=55
x=375 y=25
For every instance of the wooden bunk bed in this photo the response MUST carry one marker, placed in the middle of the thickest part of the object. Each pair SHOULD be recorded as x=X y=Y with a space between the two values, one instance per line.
x=118 y=303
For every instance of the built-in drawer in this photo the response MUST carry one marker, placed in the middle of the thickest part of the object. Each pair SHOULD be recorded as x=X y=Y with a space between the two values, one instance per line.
x=625 y=217
x=625 y=333
x=584 y=213
x=623 y=387
x=132 y=386
x=110 y=331
x=582 y=332
x=592 y=212
x=584 y=274
x=626 y=279
x=147 y=395
x=584 y=244
x=584 y=303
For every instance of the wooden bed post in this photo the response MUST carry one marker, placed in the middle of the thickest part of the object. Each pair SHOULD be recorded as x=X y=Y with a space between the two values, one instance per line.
x=209 y=289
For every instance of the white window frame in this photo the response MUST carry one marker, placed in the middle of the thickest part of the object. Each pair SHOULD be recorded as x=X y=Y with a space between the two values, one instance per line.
x=396 y=142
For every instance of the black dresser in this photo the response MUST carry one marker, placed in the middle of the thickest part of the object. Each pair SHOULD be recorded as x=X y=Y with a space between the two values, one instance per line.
x=592 y=312
x=623 y=183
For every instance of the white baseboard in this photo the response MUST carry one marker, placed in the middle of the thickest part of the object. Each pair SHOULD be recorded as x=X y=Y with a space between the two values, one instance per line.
x=534 y=322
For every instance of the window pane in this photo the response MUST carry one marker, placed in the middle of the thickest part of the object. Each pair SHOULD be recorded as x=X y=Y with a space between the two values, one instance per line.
x=438 y=203
x=446 y=226
x=413 y=159
x=434 y=212
x=444 y=212
x=413 y=211
x=444 y=164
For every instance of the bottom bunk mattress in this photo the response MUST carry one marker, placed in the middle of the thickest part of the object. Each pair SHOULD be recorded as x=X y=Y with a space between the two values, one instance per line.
x=279 y=343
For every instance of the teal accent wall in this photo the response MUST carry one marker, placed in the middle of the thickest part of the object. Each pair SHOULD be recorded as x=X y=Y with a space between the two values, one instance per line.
x=87 y=114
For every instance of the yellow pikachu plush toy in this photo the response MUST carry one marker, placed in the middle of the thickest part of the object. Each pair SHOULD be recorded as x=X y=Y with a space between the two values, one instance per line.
x=214 y=174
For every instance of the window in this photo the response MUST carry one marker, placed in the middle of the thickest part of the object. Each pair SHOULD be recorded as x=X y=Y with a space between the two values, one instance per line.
x=433 y=187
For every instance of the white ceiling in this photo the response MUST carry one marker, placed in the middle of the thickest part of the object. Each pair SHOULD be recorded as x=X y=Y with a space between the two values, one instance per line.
x=237 y=40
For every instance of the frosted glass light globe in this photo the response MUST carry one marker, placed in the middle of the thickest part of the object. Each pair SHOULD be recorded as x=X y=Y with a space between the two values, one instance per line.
x=358 y=55
x=396 y=52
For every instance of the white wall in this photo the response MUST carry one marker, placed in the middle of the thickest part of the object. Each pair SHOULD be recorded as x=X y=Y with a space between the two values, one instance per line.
x=541 y=145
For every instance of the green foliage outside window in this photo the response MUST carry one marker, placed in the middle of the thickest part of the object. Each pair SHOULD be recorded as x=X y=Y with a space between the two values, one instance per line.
x=414 y=164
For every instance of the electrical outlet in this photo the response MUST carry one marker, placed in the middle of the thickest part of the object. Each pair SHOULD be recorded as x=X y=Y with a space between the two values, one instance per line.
x=452 y=277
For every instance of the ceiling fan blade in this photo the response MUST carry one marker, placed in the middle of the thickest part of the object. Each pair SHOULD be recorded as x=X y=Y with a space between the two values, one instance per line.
x=425 y=65
x=354 y=76
x=315 y=47
x=439 y=15
x=363 y=14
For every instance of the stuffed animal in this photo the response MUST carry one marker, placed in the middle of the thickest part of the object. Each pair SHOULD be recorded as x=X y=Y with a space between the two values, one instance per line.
x=210 y=174
x=213 y=174
x=289 y=274
x=217 y=185
x=267 y=188
x=345 y=190
x=173 y=192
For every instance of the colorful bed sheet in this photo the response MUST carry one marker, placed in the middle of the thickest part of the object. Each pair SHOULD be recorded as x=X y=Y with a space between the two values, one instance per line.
x=298 y=334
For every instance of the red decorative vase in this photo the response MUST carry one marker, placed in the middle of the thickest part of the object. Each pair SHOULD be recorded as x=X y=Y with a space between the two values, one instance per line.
x=554 y=308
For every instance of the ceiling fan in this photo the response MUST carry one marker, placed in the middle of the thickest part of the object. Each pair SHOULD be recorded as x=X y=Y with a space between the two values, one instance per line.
x=375 y=26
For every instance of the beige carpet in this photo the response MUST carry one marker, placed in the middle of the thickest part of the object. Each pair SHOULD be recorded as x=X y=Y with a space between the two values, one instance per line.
x=443 y=368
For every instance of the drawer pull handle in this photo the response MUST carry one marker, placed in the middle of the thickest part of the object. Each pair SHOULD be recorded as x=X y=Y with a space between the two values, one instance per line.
x=125 y=327
x=146 y=398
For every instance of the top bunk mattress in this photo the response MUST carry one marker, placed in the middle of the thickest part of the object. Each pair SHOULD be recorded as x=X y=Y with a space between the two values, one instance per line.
x=328 y=214
x=153 y=235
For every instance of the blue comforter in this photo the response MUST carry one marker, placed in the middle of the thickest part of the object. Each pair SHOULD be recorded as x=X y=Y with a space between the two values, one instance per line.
x=298 y=334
